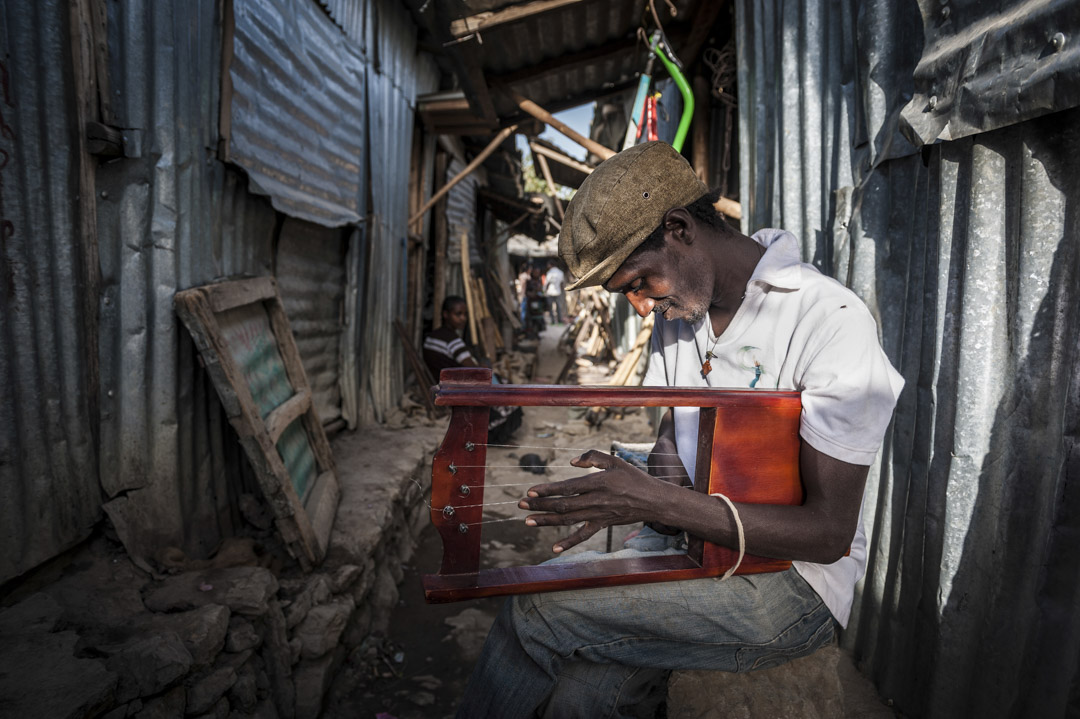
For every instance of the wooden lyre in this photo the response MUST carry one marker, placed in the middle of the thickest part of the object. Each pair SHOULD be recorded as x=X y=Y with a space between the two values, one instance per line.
x=748 y=449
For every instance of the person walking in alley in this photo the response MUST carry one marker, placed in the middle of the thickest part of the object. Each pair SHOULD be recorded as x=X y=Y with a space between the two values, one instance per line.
x=553 y=290
x=731 y=311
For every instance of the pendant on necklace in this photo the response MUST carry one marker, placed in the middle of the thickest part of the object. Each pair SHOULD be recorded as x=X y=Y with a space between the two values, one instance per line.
x=706 y=366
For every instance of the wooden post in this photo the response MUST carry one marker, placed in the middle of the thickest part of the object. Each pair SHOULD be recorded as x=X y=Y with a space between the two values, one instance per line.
x=498 y=140
x=701 y=129
x=551 y=185
x=541 y=114
x=466 y=277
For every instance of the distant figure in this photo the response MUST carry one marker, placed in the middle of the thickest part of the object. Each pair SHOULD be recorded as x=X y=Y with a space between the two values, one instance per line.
x=553 y=288
x=444 y=349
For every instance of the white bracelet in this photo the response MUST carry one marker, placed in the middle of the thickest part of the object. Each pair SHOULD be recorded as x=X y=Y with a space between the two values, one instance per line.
x=738 y=527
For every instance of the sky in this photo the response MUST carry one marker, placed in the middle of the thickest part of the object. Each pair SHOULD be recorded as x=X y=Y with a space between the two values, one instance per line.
x=578 y=118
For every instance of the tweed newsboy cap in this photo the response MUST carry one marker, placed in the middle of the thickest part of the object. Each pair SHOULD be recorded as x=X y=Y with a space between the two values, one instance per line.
x=619 y=205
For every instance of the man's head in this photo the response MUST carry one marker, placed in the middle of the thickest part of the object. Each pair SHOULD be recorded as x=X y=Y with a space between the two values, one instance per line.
x=455 y=313
x=619 y=205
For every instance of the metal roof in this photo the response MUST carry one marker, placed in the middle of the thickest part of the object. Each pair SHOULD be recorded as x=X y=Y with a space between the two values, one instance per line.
x=557 y=53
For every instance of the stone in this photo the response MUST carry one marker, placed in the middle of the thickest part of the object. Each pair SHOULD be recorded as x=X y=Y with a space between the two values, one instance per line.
x=38 y=613
x=241 y=636
x=359 y=627
x=313 y=677
x=321 y=629
x=469 y=629
x=202 y=630
x=243 y=694
x=361 y=587
x=220 y=710
x=344 y=576
x=40 y=676
x=808 y=687
x=148 y=665
x=265 y=710
x=317 y=590
x=170 y=705
x=244 y=590
x=384 y=596
x=204 y=693
x=276 y=656
x=296 y=649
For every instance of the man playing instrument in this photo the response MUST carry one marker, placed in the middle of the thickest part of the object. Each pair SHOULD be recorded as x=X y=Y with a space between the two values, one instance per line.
x=736 y=312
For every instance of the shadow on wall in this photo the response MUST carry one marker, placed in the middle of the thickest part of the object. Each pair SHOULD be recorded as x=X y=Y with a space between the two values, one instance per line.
x=977 y=616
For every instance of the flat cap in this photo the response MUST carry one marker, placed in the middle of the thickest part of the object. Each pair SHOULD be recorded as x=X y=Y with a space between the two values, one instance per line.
x=619 y=205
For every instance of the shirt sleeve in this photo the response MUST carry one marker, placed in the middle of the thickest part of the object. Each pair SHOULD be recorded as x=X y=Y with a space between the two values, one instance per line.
x=459 y=351
x=849 y=387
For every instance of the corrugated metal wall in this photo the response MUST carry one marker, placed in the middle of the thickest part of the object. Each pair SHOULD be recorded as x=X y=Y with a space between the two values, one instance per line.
x=396 y=74
x=49 y=496
x=170 y=216
x=310 y=267
x=967 y=251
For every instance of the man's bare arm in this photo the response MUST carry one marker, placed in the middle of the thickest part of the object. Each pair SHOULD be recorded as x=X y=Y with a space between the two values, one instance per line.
x=819 y=530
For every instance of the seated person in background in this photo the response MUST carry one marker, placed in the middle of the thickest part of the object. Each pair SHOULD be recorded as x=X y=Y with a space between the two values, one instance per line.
x=444 y=349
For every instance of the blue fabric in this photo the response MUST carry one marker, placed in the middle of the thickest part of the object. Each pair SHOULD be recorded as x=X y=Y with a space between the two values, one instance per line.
x=598 y=652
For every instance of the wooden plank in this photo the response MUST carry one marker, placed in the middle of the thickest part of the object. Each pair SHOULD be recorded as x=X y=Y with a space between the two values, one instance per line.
x=560 y=158
x=424 y=380
x=321 y=507
x=227 y=295
x=286 y=414
x=515 y=13
x=551 y=185
x=452 y=393
x=294 y=366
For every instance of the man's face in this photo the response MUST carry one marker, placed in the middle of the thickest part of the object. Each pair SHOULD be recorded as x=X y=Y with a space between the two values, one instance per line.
x=667 y=281
x=456 y=317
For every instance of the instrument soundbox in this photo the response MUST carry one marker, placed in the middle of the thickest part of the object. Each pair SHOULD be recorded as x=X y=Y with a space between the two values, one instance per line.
x=748 y=450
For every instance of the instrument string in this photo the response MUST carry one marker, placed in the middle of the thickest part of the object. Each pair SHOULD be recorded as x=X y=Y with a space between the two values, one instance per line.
x=563 y=449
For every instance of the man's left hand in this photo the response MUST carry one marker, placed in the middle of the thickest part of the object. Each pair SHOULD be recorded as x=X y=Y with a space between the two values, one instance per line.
x=620 y=494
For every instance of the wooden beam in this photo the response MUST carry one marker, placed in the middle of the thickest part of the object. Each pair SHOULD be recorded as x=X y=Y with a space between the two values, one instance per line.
x=498 y=140
x=516 y=13
x=731 y=208
x=551 y=185
x=541 y=114
x=553 y=106
x=560 y=158
x=286 y=413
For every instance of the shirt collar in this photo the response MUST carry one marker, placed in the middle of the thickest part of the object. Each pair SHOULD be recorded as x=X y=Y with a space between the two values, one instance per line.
x=781 y=265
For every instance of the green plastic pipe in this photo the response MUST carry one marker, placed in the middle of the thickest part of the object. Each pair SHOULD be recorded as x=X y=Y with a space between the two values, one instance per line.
x=687 y=97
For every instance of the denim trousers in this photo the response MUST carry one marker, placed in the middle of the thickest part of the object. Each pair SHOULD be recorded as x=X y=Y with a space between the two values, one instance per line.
x=603 y=652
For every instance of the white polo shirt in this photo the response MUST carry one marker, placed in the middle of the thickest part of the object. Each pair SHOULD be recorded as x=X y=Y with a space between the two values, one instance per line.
x=796 y=329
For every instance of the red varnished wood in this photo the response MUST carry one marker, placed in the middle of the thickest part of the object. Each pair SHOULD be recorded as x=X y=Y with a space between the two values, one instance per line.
x=755 y=460
x=748 y=449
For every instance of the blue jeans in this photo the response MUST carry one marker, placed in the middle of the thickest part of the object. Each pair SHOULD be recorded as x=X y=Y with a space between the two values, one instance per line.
x=599 y=652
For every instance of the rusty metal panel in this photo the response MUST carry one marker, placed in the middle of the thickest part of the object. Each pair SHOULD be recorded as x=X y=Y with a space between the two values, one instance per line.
x=296 y=124
x=310 y=269
x=49 y=496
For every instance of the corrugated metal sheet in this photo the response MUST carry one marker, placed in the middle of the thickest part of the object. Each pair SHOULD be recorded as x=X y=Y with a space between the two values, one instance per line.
x=49 y=496
x=311 y=279
x=393 y=84
x=968 y=254
x=173 y=218
x=296 y=109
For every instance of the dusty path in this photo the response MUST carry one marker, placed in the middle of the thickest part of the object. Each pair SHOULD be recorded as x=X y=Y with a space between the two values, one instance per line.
x=420 y=669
